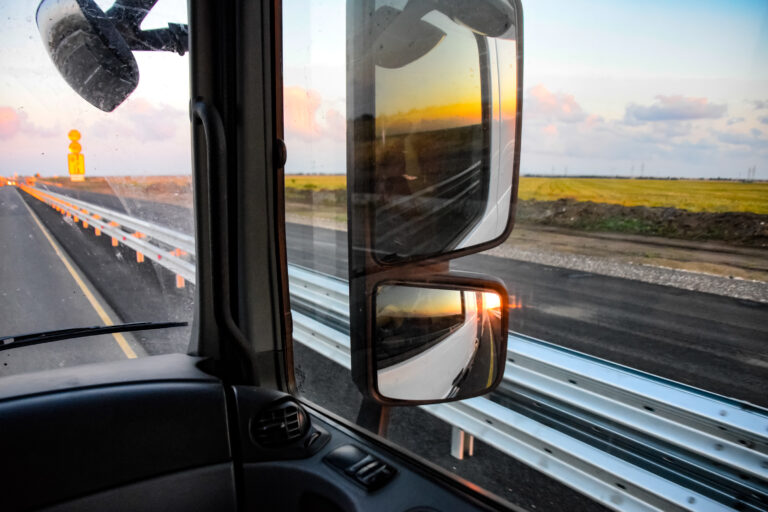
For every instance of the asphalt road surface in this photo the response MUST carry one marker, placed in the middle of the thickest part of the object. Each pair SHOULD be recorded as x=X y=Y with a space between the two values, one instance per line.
x=41 y=290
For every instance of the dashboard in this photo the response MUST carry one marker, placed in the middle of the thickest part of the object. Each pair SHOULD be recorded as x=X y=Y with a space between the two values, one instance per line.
x=159 y=433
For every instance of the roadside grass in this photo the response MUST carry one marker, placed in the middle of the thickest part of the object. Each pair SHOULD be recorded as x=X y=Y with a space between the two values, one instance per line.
x=691 y=195
x=316 y=181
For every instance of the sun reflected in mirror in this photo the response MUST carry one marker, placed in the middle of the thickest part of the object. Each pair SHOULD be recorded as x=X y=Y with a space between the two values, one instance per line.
x=419 y=328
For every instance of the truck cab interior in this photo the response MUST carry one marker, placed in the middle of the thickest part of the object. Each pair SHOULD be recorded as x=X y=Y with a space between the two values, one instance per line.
x=222 y=427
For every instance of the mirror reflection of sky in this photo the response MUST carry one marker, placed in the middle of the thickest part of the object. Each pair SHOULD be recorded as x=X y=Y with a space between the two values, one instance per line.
x=412 y=301
x=442 y=89
x=610 y=87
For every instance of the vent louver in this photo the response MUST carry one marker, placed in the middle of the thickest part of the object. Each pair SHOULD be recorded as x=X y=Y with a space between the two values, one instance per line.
x=279 y=425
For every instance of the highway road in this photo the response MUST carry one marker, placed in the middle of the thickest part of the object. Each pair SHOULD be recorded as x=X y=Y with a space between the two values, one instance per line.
x=42 y=290
x=709 y=341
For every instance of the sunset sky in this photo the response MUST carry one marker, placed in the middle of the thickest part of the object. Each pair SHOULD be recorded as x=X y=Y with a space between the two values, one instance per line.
x=610 y=87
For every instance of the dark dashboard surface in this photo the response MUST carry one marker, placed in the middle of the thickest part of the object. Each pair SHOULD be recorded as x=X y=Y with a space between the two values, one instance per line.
x=158 y=433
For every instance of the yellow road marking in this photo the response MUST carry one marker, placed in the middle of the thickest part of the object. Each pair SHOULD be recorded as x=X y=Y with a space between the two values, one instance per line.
x=119 y=338
x=490 y=334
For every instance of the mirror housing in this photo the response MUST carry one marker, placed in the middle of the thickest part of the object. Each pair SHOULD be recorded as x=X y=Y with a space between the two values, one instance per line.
x=434 y=116
x=92 y=50
x=433 y=154
x=458 y=331
x=432 y=340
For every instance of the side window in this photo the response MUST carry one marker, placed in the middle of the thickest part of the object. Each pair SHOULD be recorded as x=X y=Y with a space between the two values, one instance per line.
x=636 y=270
x=96 y=215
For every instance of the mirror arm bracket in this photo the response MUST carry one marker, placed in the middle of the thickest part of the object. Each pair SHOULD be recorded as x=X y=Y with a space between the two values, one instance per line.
x=127 y=16
x=175 y=38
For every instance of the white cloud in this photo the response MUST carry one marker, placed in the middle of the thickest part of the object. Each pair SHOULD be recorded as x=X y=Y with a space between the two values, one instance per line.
x=673 y=108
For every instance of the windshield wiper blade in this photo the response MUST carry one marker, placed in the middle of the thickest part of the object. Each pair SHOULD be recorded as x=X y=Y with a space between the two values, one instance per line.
x=25 y=340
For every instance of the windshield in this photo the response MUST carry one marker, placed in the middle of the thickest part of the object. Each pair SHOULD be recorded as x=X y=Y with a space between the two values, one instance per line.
x=96 y=219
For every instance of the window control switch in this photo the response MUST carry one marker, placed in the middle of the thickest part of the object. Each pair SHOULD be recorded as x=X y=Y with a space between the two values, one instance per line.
x=365 y=469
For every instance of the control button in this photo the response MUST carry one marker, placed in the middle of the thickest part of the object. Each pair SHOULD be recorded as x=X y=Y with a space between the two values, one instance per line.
x=345 y=456
x=362 y=467
x=378 y=478
x=351 y=470
x=368 y=468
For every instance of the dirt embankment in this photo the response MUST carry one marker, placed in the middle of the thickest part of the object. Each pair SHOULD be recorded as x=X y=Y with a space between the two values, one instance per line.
x=738 y=228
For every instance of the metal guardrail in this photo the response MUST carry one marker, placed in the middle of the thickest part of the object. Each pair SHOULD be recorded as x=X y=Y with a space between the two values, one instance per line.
x=166 y=247
x=628 y=440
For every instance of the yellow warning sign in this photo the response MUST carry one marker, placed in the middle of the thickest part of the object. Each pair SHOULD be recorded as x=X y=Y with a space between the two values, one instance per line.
x=75 y=159
x=76 y=163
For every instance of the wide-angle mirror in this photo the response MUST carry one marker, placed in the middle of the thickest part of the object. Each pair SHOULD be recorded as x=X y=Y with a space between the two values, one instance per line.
x=92 y=49
x=435 y=343
x=433 y=103
x=88 y=51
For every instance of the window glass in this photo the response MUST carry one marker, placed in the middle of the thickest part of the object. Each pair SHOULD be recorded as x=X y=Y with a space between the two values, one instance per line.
x=112 y=243
x=637 y=275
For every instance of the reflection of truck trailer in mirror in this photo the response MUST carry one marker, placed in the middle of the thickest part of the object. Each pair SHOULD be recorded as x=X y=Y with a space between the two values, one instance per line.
x=502 y=65
x=439 y=370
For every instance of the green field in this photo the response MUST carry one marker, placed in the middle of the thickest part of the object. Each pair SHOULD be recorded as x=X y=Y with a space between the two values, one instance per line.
x=316 y=181
x=692 y=195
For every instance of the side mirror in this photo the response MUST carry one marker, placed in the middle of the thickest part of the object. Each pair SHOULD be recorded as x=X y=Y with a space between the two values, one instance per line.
x=433 y=343
x=434 y=91
x=434 y=126
x=93 y=50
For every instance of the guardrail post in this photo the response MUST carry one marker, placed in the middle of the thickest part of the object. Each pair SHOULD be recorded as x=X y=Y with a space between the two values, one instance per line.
x=462 y=444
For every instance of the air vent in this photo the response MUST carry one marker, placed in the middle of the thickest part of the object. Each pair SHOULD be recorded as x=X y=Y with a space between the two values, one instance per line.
x=279 y=425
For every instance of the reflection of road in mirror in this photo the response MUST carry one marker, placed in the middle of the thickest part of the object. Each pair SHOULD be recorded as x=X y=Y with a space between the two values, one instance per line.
x=420 y=329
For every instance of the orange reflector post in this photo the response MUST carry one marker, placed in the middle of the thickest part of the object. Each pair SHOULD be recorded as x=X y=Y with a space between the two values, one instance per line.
x=97 y=231
x=139 y=257
x=76 y=219
x=114 y=242
x=85 y=224
x=179 y=281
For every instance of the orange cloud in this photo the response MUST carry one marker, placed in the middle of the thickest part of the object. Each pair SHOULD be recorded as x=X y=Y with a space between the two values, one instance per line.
x=550 y=129
x=542 y=103
x=14 y=122
x=301 y=106
x=306 y=117
x=9 y=122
